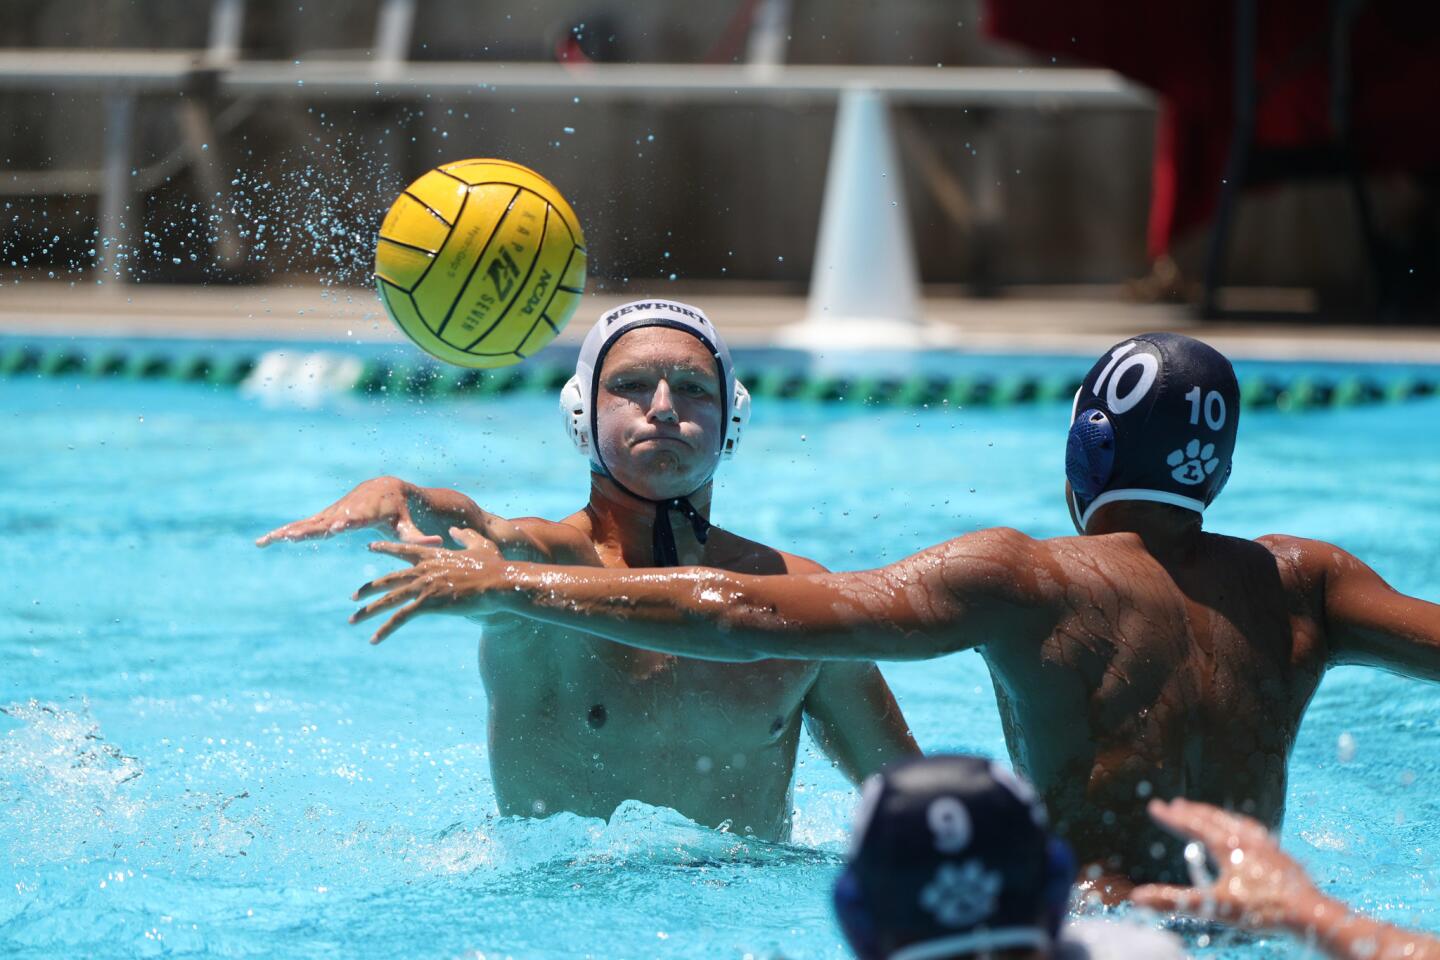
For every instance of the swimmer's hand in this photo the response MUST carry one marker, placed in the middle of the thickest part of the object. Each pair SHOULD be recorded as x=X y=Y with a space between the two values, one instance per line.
x=1261 y=888
x=440 y=581
x=386 y=503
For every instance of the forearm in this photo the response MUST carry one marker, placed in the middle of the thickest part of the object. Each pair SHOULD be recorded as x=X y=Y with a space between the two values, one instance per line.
x=1346 y=935
x=716 y=615
x=435 y=510
x=1370 y=623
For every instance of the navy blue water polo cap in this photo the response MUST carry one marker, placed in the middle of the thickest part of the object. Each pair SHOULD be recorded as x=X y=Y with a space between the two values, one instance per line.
x=1155 y=419
x=951 y=856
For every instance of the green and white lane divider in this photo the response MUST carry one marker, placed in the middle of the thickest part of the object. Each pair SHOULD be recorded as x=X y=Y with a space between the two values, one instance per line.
x=330 y=371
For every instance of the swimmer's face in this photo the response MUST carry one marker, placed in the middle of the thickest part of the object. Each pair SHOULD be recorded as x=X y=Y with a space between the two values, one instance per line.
x=658 y=412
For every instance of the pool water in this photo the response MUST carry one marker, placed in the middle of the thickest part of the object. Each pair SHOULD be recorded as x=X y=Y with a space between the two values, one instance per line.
x=199 y=757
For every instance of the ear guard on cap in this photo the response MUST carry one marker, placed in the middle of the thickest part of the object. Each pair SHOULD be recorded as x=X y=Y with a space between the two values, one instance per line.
x=1090 y=454
x=575 y=412
x=739 y=417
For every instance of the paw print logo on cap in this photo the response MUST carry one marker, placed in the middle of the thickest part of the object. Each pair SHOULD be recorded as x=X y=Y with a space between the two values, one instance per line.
x=1193 y=463
x=962 y=895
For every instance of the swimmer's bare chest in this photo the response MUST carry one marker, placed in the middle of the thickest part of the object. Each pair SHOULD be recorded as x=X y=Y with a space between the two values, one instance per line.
x=580 y=723
x=1165 y=683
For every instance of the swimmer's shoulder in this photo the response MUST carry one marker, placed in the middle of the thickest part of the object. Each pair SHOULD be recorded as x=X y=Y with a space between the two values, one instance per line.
x=730 y=551
x=1003 y=564
x=567 y=541
x=1300 y=558
x=1009 y=552
x=995 y=543
x=1313 y=566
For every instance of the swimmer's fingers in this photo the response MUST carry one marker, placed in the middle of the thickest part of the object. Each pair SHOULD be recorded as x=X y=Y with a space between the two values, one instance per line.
x=333 y=521
x=1169 y=898
x=406 y=530
x=382 y=503
x=310 y=528
x=1217 y=829
x=399 y=619
x=410 y=552
x=386 y=583
x=397 y=596
x=476 y=542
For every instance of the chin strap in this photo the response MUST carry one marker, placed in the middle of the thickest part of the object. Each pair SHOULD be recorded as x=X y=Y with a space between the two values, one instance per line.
x=663 y=544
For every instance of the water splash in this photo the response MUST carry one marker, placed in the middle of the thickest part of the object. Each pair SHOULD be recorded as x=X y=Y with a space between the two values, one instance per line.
x=61 y=782
x=314 y=210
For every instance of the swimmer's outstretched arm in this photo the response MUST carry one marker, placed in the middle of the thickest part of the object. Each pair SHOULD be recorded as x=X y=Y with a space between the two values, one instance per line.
x=421 y=515
x=1367 y=621
x=1261 y=888
x=977 y=588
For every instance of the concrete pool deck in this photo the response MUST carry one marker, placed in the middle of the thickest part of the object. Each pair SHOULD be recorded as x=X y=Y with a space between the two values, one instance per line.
x=1018 y=323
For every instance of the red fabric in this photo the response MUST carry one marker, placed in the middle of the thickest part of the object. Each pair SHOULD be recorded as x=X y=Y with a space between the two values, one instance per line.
x=1184 y=50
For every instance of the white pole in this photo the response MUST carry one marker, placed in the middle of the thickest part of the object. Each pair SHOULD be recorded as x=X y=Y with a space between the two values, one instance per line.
x=395 y=24
x=227 y=23
x=864 y=288
x=769 y=35
x=116 y=194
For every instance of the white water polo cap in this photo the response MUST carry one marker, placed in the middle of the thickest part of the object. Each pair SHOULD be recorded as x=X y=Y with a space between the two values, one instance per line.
x=577 y=397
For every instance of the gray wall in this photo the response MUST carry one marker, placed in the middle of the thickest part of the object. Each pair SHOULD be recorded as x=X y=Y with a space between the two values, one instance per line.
x=726 y=191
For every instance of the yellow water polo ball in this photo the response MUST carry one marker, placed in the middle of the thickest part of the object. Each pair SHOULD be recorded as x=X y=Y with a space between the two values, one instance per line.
x=480 y=262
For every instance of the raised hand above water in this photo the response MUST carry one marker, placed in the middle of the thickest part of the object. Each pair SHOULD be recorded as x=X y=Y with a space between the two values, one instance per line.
x=388 y=504
x=1260 y=887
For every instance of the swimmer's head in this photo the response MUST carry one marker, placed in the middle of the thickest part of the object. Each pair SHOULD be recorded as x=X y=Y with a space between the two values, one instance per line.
x=654 y=402
x=1155 y=419
x=951 y=857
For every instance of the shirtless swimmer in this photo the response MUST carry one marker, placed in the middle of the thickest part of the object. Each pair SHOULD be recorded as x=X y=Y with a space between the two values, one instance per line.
x=579 y=723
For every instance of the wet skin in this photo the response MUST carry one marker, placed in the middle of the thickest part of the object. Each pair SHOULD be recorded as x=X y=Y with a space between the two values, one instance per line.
x=579 y=723
x=1260 y=888
x=1144 y=659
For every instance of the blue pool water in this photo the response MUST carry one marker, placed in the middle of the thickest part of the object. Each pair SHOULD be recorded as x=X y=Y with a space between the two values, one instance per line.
x=199 y=757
